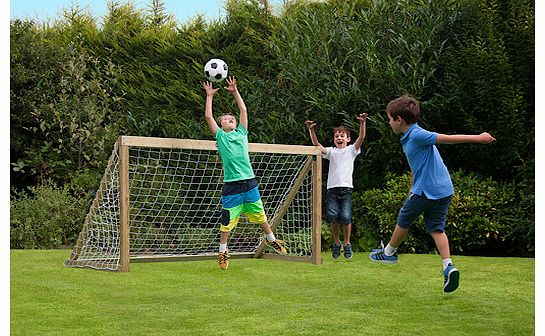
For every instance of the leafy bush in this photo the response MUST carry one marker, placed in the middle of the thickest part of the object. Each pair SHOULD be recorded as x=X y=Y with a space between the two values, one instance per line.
x=483 y=76
x=45 y=217
x=485 y=217
x=76 y=85
x=74 y=123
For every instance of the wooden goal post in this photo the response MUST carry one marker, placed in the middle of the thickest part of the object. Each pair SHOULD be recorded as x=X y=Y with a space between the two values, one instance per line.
x=160 y=200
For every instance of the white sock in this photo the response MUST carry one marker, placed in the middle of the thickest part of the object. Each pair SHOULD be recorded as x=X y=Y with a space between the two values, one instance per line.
x=270 y=237
x=223 y=248
x=389 y=250
x=446 y=262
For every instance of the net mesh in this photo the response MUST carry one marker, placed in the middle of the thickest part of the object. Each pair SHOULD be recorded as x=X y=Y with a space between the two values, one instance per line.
x=175 y=207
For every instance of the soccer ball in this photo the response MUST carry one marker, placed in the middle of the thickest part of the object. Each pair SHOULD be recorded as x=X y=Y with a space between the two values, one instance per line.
x=215 y=70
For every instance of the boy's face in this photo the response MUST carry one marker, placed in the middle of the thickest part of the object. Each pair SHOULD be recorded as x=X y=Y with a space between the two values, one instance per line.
x=228 y=123
x=341 y=139
x=395 y=124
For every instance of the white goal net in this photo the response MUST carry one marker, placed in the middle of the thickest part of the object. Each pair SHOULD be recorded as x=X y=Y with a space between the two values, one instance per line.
x=174 y=204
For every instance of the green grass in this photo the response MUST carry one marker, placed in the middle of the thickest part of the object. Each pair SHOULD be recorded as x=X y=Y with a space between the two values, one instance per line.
x=268 y=297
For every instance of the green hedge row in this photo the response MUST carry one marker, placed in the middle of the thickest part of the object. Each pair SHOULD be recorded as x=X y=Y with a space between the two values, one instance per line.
x=78 y=82
x=485 y=218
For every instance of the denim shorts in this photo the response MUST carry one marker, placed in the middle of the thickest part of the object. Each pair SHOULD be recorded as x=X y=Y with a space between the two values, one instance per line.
x=435 y=212
x=338 y=203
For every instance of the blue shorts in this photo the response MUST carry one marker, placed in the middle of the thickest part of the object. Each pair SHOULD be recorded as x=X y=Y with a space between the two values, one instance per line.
x=435 y=212
x=338 y=203
x=241 y=197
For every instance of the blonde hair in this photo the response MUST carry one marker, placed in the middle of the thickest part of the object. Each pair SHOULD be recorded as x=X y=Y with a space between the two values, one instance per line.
x=218 y=119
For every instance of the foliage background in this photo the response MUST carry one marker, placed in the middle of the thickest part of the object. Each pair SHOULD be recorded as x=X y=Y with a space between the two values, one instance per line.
x=79 y=82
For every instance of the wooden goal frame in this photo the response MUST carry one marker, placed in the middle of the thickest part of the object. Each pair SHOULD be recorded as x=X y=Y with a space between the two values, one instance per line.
x=313 y=164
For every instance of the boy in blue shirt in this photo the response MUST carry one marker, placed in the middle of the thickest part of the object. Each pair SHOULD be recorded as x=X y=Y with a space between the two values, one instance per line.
x=431 y=187
x=240 y=193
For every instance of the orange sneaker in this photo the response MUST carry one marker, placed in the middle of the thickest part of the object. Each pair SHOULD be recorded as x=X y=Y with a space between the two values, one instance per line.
x=276 y=245
x=224 y=263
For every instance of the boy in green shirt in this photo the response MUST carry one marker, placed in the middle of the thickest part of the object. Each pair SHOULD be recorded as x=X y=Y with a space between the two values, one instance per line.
x=240 y=193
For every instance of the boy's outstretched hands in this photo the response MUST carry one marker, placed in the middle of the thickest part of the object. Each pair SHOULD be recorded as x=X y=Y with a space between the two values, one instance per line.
x=210 y=91
x=232 y=84
x=362 y=117
x=310 y=124
x=486 y=138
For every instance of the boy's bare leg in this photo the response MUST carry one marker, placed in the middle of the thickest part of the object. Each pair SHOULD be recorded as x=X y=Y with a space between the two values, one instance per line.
x=441 y=241
x=398 y=236
x=347 y=247
x=224 y=237
x=266 y=228
x=223 y=262
x=346 y=233
x=335 y=231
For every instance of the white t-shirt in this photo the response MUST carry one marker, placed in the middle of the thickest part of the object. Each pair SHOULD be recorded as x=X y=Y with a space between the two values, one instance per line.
x=341 y=166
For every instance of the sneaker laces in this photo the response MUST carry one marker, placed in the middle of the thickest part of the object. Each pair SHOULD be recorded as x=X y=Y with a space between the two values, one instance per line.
x=276 y=245
x=223 y=257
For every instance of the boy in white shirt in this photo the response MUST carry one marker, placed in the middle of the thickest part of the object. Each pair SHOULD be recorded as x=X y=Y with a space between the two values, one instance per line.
x=339 y=182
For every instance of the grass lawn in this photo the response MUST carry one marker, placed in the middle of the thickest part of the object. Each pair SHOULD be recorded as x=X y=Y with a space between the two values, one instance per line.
x=269 y=297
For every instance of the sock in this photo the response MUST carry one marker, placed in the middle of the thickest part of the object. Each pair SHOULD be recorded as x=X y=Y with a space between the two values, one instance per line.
x=389 y=250
x=223 y=248
x=270 y=237
x=446 y=262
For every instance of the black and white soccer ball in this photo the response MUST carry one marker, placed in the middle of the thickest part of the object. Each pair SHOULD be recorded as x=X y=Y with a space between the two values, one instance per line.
x=215 y=70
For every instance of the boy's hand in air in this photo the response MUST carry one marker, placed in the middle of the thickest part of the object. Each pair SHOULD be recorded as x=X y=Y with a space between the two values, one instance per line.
x=310 y=124
x=210 y=91
x=232 y=84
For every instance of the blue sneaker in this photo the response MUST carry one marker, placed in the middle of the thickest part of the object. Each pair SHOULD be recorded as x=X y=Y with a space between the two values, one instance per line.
x=452 y=278
x=381 y=257
x=335 y=251
x=348 y=251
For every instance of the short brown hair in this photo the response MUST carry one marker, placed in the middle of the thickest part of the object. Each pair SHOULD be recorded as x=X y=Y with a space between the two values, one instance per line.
x=218 y=119
x=405 y=107
x=342 y=129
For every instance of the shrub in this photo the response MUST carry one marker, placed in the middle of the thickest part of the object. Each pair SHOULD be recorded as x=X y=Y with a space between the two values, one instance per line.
x=45 y=217
x=485 y=217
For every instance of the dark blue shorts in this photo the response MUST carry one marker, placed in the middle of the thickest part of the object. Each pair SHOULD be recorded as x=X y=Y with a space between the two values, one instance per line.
x=435 y=212
x=338 y=203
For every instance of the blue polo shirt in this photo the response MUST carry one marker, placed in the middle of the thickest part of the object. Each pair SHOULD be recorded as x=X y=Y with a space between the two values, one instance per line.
x=431 y=176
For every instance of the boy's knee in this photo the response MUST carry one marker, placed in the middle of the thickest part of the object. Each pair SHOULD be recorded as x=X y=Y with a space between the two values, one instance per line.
x=437 y=232
x=227 y=224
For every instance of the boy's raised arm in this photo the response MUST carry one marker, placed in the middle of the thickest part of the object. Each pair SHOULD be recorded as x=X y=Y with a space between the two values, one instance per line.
x=232 y=87
x=483 y=138
x=361 y=137
x=310 y=125
x=210 y=91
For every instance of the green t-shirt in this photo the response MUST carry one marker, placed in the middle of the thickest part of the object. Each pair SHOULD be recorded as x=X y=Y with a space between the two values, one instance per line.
x=233 y=151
